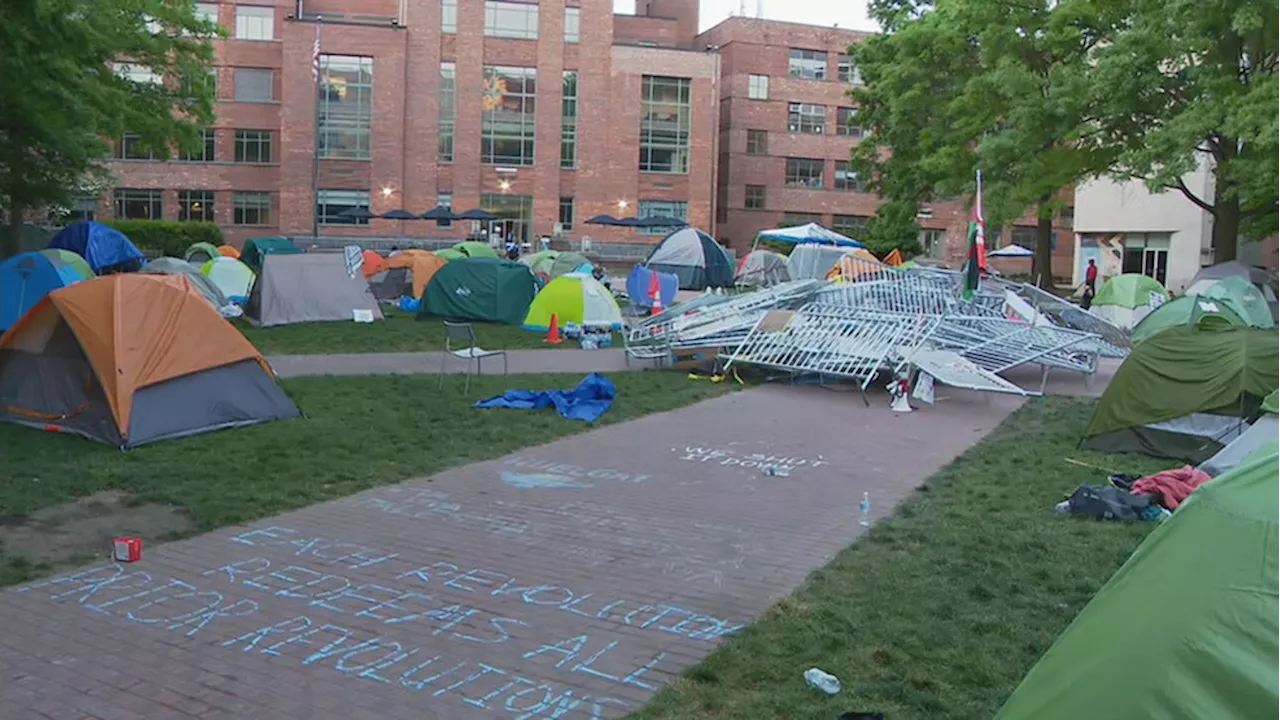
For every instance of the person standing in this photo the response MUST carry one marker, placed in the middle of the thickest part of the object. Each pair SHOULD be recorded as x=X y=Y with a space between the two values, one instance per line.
x=1091 y=276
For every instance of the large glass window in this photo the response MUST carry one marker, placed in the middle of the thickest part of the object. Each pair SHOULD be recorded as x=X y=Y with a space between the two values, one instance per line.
x=757 y=142
x=757 y=87
x=572 y=21
x=754 y=197
x=444 y=200
x=792 y=219
x=195 y=205
x=664 y=124
x=84 y=209
x=251 y=208
x=677 y=209
x=207 y=11
x=847 y=72
x=253 y=146
x=806 y=118
x=566 y=213
x=854 y=226
x=511 y=20
x=330 y=204
x=569 y=121
x=449 y=16
x=448 y=111
x=508 y=126
x=804 y=172
x=255 y=85
x=847 y=122
x=808 y=64
x=129 y=147
x=194 y=84
x=206 y=151
x=346 y=106
x=255 y=23
x=847 y=179
x=132 y=204
x=140 y=74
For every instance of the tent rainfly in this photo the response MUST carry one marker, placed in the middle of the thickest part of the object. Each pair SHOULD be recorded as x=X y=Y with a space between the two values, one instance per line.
x=1125 y=300
x=762 y=268
x=27 y=277
x=104 y=248
x=808 y=233
x=577 y=298
x=310 y=287
x=201 y=253
x=482 y=289
x=232 y=277
x=199 y=281
x=695 y=258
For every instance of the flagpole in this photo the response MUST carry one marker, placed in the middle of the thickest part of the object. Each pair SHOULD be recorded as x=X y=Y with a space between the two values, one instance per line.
x=315 y=154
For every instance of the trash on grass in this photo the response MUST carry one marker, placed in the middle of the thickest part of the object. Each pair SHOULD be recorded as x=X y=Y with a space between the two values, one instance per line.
x=825 y=682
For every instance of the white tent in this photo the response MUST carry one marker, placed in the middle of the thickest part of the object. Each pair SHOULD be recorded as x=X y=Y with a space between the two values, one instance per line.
x=1012 y=251
x=808 y=233
x=1261 y=432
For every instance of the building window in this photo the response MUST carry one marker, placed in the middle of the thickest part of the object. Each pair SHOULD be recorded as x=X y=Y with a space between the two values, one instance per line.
x=195 y=205
x=933 y=243
x=255 y=85
x=847 y=179
x=757 y=142
x=140 y=74
x=854 y=226
x=1025 y=235
x=792 y=219
x=129 y=147
x=508 y=127
x=444 y=200
x=808 y=64
x=757 y=87
x=84 y=209
x=330 y=204
x=1146 y=253
x=207 y=11
x=754 y=197
x=255 y=23
x=253 y=146
x=449 y=16
x=134 y=204
x=806 y=118
x=677 y=209
x=804 y=172
x=251 y=208
x=1067 y=218
x=569 y=121
x=572 y=22
x=448 y=111
x=206 y=151
x=346 y=107
x=566 y=214
x=664 y=124
x=847 y=122
x=847 y=72
x=511 y=20
x=192 y=85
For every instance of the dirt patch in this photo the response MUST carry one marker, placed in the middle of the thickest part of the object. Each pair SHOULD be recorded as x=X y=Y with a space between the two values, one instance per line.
x=84 y=528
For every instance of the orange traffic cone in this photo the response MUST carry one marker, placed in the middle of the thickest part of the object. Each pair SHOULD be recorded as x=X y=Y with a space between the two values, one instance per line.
x=655 y=294
x=553 y=331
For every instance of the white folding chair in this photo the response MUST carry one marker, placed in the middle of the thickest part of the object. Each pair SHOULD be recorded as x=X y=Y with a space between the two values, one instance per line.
x=463 y=333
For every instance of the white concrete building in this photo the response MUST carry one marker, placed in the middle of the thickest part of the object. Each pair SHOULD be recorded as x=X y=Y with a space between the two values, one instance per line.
x=1126 y=228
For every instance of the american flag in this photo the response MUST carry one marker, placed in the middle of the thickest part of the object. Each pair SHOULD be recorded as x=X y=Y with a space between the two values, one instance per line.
x=315 y=55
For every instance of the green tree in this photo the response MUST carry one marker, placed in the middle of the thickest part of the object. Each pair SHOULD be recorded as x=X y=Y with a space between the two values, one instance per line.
x=67 y=100
x=980 y=84
x=1182 y=83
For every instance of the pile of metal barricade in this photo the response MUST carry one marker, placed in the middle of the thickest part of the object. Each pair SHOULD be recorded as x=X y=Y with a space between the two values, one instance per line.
x=887 y=320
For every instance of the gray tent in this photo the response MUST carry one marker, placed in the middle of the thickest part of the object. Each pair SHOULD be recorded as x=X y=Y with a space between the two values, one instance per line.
x=1260 y=433
x=174 y=266
x=391 y=284
x=1261 y=278
x=762 y=268
x=308 y=287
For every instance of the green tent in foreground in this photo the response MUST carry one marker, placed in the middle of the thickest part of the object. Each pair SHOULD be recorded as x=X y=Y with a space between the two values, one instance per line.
x=1183 y=392
x=1186 y=628
x=481 y=289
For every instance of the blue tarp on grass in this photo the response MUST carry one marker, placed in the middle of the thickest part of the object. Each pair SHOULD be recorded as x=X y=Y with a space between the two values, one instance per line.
x=587 y=402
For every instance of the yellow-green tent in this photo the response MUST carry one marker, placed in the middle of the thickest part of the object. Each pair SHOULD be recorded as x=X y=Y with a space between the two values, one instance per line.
x=577 y=298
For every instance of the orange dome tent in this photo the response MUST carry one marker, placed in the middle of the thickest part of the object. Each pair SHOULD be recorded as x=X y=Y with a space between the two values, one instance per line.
x=894 y=258
x=420 y=263
x=228 y=251
x=128 y=359
x=373 y=263
x=854 y=264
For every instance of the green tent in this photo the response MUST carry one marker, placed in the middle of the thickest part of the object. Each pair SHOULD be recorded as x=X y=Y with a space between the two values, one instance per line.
x=256 y=248
x=1186 y=629
x=476 y=250
x=1271 y=403
x=1125 y=299
x=1182 y=393
x=201 y=253
x=1245 y=298
x=1187 y=310
x=483 y=289
x=450 y=254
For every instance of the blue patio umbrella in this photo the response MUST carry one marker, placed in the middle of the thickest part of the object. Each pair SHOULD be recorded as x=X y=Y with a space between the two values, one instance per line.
x=399 y=214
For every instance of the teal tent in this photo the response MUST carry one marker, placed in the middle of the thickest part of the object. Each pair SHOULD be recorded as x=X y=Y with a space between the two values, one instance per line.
x=257 y=248
x=482 y=289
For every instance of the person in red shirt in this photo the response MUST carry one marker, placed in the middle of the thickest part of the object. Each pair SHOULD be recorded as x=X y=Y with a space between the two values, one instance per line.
x=1091 y=276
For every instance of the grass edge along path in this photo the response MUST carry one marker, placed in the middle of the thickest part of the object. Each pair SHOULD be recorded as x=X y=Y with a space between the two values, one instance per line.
x=938 y=611
x=359 y=432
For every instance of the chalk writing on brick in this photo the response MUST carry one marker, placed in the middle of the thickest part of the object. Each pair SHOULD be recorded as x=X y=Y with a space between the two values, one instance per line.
x=726 y=457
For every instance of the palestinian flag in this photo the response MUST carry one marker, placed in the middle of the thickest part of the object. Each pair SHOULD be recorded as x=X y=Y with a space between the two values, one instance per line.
x=971 y=267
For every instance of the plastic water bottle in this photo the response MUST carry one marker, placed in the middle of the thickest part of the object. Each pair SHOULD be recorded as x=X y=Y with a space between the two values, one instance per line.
x=827 y=683
x=865 y=506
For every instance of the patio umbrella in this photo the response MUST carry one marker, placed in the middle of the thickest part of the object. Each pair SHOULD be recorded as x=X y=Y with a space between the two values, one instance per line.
x=439 y=212
x=357 y=213
x=478 y=214
x=631 y=222
x=398 y=214
x=667 y=222
x=603 y=220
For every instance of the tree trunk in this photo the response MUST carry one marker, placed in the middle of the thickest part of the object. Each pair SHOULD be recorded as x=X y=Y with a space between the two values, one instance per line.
x=12 y=238
x=1226 y=226
x=1042 y=261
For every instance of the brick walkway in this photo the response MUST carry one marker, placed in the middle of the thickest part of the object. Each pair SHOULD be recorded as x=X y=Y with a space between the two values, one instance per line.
x=571 y=580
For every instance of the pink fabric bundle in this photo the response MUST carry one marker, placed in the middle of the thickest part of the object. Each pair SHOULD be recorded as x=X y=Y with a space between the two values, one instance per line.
x=1171 y=487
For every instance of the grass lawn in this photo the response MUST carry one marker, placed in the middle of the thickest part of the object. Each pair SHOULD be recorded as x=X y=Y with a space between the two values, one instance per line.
x=939 y=611
x=360 y=432
x=400 y=332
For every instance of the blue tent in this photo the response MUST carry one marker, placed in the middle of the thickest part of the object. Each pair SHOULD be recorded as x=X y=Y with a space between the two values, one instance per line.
x=103 y=247
x=27 y=277
x=808 y=233
x=638 y=287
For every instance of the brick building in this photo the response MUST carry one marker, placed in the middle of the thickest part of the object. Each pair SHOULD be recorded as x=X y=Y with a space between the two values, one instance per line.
x=545 y=113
